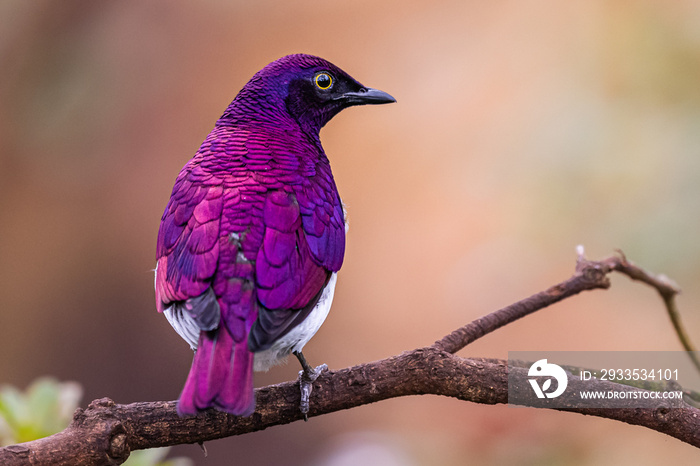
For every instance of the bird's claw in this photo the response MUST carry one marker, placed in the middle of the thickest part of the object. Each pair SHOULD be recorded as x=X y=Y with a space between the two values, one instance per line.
x=306 y=380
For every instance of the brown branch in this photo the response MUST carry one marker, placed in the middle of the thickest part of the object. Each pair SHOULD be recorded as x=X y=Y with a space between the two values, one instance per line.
x=105 y=432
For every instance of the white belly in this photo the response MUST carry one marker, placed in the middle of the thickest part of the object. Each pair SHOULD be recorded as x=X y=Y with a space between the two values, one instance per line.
x=299 y=335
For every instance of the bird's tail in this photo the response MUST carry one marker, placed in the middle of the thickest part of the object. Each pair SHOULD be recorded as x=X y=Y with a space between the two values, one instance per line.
x=221 y=376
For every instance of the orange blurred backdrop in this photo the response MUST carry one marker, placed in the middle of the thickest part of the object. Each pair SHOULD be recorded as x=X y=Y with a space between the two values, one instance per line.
x=521 y=130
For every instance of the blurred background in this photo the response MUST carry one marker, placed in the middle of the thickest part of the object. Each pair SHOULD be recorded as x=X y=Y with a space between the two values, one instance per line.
x=521 y=130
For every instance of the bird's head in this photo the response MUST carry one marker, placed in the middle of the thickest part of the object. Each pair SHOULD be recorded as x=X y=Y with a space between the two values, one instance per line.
x=306 y=88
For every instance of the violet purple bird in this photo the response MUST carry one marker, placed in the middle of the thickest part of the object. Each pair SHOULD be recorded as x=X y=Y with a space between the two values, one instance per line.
x=254 y=233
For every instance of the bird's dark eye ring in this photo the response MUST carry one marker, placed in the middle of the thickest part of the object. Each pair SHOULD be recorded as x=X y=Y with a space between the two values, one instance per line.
x=323 y=81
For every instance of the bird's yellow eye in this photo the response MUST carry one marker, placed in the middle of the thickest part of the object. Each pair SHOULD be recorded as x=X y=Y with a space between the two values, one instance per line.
x=324 y=81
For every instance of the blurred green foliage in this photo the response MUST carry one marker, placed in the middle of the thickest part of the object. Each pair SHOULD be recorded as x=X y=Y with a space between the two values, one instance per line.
x=46 y=407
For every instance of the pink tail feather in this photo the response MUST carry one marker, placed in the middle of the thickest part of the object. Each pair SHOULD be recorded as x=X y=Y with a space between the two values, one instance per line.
x=221 y=376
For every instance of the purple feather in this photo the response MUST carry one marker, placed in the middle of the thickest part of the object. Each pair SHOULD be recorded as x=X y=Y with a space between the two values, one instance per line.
x=254 y=226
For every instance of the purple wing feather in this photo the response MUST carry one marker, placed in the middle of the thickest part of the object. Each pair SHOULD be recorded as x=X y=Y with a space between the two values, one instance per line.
x=323 y=220
x=302 y=245
x=285 y=270
x=188 y=247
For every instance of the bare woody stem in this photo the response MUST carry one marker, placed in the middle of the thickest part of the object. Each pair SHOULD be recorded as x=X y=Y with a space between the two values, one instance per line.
x=588 y=276
x=105 y=432
x=668 y=291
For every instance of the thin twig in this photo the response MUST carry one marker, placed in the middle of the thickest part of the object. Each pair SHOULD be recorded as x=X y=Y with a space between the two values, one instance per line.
x=667 y=289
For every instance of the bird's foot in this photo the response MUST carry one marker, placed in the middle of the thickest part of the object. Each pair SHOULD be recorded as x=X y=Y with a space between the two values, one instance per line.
x=307 y=377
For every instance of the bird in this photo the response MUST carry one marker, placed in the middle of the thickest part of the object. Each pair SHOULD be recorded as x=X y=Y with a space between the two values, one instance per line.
x=253 y=236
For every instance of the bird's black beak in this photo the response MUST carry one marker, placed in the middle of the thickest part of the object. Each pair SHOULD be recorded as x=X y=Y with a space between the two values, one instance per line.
x=367 y=95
